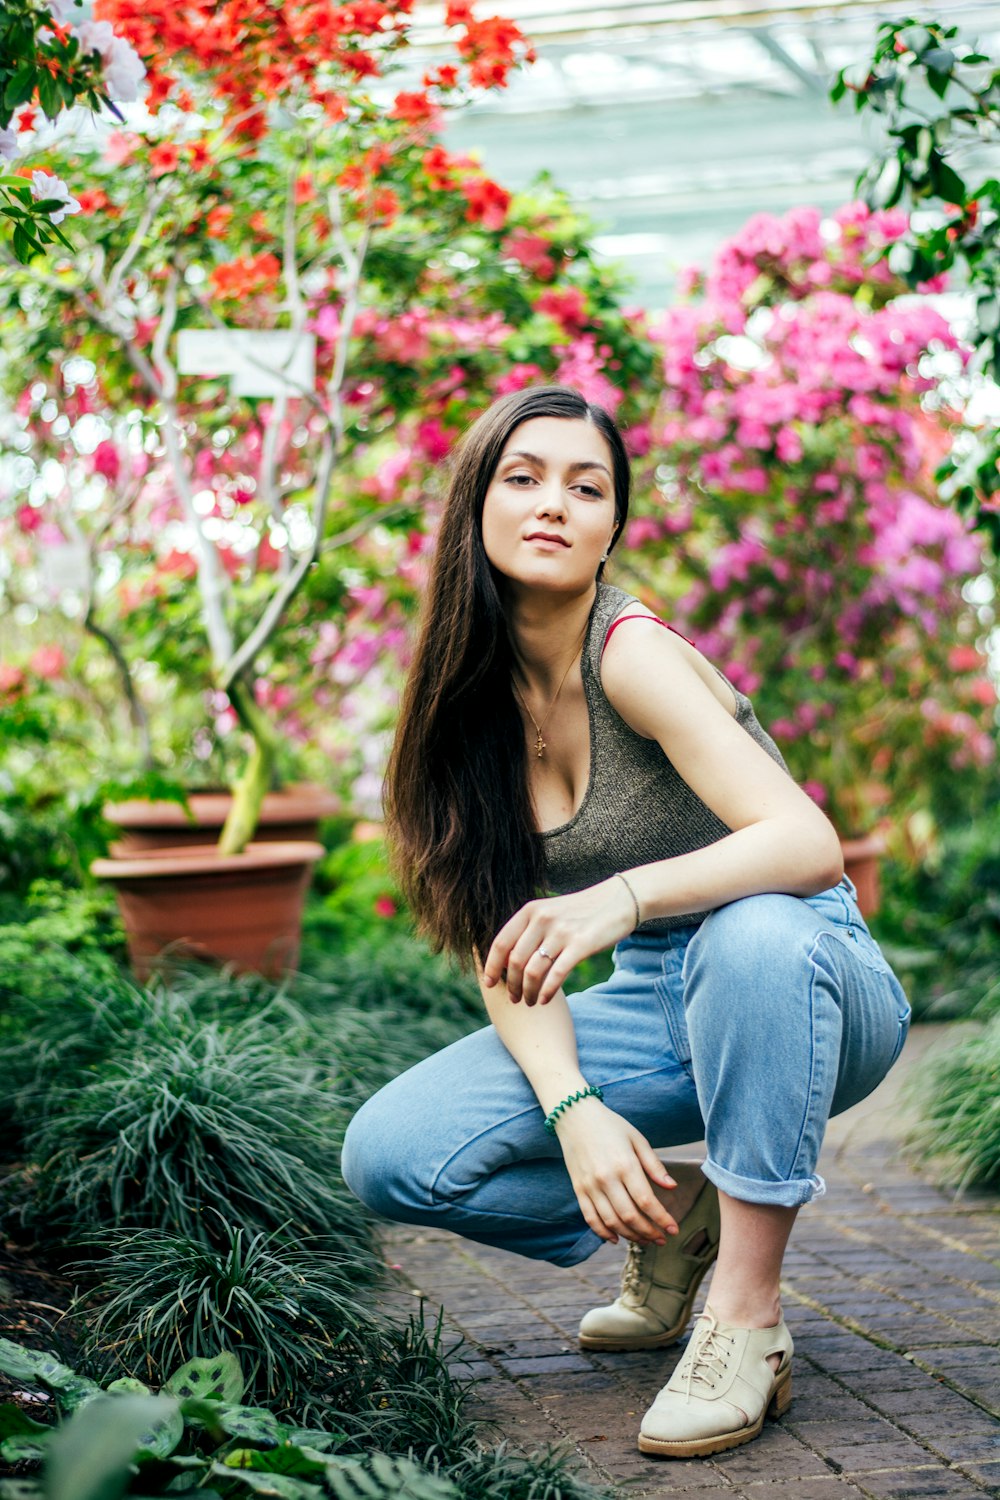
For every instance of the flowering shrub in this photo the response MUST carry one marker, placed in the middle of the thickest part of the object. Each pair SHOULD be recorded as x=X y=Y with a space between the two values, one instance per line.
x=795 y=513
x=51 y=58
x=258 y=543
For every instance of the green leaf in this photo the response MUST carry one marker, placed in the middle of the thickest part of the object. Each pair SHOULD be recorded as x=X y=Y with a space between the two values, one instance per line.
x=92 y=1457
x=218 y=1379
x=289 y=1459
x=39 y=1368
x=21 y=1489
x=14 y=1421
x=947 y=183
x=24 y=1448
x=248 y=1422
x=125 y=1385
x=20 y=86
x=48 y=94
x=280 y=1486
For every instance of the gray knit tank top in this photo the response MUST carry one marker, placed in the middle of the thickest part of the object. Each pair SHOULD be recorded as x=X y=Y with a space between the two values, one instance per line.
x=637 y=808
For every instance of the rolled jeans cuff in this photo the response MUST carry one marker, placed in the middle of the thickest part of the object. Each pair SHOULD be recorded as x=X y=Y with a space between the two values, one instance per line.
x=791 y=1194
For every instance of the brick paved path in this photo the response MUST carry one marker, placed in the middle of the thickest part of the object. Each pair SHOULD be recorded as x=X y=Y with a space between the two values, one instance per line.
x=892 y=1295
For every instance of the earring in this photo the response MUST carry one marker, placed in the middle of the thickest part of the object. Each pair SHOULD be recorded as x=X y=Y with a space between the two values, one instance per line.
x=604 y=557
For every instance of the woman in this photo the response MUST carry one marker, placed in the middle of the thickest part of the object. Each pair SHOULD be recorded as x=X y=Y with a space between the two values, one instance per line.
x=554 y=737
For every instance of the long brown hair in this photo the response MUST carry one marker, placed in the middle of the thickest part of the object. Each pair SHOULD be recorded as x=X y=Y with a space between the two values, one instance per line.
x=458 y=811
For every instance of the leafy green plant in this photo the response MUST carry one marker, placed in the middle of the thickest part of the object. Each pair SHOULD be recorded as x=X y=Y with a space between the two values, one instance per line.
x=192 y=1115
x=940 y=922
x=959 y=1094
x=290 y=1308
x=939 y=99
x=196 y=1438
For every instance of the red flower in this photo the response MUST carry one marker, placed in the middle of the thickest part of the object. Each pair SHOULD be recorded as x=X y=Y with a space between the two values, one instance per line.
x=414 y=108
x=486 y=202
x=438 y=165
x=384 y=205
x=92 y=200
x=199 y=156
x=246 y=275
x=164 y=158
x=26 y=118
x=458 y=13
x=384 y=906
x=304 y=191
x=218 y=221
x=445 y=77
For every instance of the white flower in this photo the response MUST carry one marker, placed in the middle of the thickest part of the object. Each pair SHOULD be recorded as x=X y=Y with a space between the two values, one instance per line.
x=8 y=145
x=96 y=36
x=44 y=186
x=124 y=70
x=64 y=11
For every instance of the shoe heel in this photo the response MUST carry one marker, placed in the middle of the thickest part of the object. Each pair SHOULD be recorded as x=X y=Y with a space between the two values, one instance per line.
x=781 y=1397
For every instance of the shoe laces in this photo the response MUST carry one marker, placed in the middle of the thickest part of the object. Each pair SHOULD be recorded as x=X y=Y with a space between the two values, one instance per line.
x=707 y=1356
x=632 y=1269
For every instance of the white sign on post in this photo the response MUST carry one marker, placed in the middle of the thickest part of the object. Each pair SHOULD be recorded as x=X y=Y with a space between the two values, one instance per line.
x=259 y=362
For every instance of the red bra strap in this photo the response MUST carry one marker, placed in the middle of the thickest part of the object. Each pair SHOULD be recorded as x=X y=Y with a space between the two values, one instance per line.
x=622 y=618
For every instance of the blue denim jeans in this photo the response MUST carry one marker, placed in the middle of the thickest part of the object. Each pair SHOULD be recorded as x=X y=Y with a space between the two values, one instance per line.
x=749 y=1029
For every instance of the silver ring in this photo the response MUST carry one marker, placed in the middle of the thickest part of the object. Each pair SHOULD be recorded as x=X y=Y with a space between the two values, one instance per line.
x=545 y=954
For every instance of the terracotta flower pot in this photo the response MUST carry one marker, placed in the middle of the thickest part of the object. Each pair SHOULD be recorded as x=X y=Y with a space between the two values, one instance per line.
x=290 y=814
x=861 y=862
x=244 y=909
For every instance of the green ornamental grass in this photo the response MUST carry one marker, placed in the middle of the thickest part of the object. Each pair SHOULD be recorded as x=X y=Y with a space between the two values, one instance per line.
x=959 y=1094
x=292 y=1310
x=194 y=1116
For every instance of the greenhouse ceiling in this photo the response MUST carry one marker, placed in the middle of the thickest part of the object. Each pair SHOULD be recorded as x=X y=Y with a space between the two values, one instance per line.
x=671 y=122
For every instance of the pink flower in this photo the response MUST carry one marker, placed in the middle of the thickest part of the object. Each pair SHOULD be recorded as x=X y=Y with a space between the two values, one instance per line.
x=48 y=662
x=384 y=906
x=516 y=378
x=28 y=517
x=107 y=460
x=640 y=531
x=817 y=792
x=12 y=680
x=433 y=441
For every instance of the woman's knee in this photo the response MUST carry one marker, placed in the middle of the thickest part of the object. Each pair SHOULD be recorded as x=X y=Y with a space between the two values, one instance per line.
x=377 y=1159
x=750 y=947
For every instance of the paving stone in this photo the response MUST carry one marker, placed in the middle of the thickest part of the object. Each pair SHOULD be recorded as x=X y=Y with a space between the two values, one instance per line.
x=776 y=1454
x=866 y=1270
x=920 y=1484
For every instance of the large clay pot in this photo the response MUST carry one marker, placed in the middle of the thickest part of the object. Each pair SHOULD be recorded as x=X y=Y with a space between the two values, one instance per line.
x=291 y=814
x=861 y=862
x=244 y=909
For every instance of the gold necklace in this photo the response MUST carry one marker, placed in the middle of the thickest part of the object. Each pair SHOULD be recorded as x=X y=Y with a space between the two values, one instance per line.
x=540 y=745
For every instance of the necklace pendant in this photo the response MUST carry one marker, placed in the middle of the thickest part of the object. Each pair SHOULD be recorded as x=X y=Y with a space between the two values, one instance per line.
x=539 y=744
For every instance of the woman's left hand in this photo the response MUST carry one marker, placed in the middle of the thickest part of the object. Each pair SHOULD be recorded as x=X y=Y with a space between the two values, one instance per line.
x=544 y=941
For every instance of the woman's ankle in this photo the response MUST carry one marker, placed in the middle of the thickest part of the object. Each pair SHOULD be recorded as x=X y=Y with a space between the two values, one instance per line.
x=745 y=1309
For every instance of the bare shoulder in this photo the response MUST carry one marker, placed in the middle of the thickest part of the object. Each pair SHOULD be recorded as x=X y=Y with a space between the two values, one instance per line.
x=647 y=668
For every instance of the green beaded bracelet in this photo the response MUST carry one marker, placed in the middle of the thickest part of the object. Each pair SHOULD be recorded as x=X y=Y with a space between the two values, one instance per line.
x=551 y=1118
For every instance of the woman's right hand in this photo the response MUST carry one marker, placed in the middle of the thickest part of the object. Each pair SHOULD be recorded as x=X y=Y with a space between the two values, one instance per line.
x=612 y=1167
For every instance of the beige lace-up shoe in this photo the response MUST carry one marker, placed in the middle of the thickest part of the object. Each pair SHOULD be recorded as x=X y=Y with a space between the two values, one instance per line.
x=660 y=1282
x=721 y=1391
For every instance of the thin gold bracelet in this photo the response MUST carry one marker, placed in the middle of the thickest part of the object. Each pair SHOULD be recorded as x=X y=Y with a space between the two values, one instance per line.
x=635 y=899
